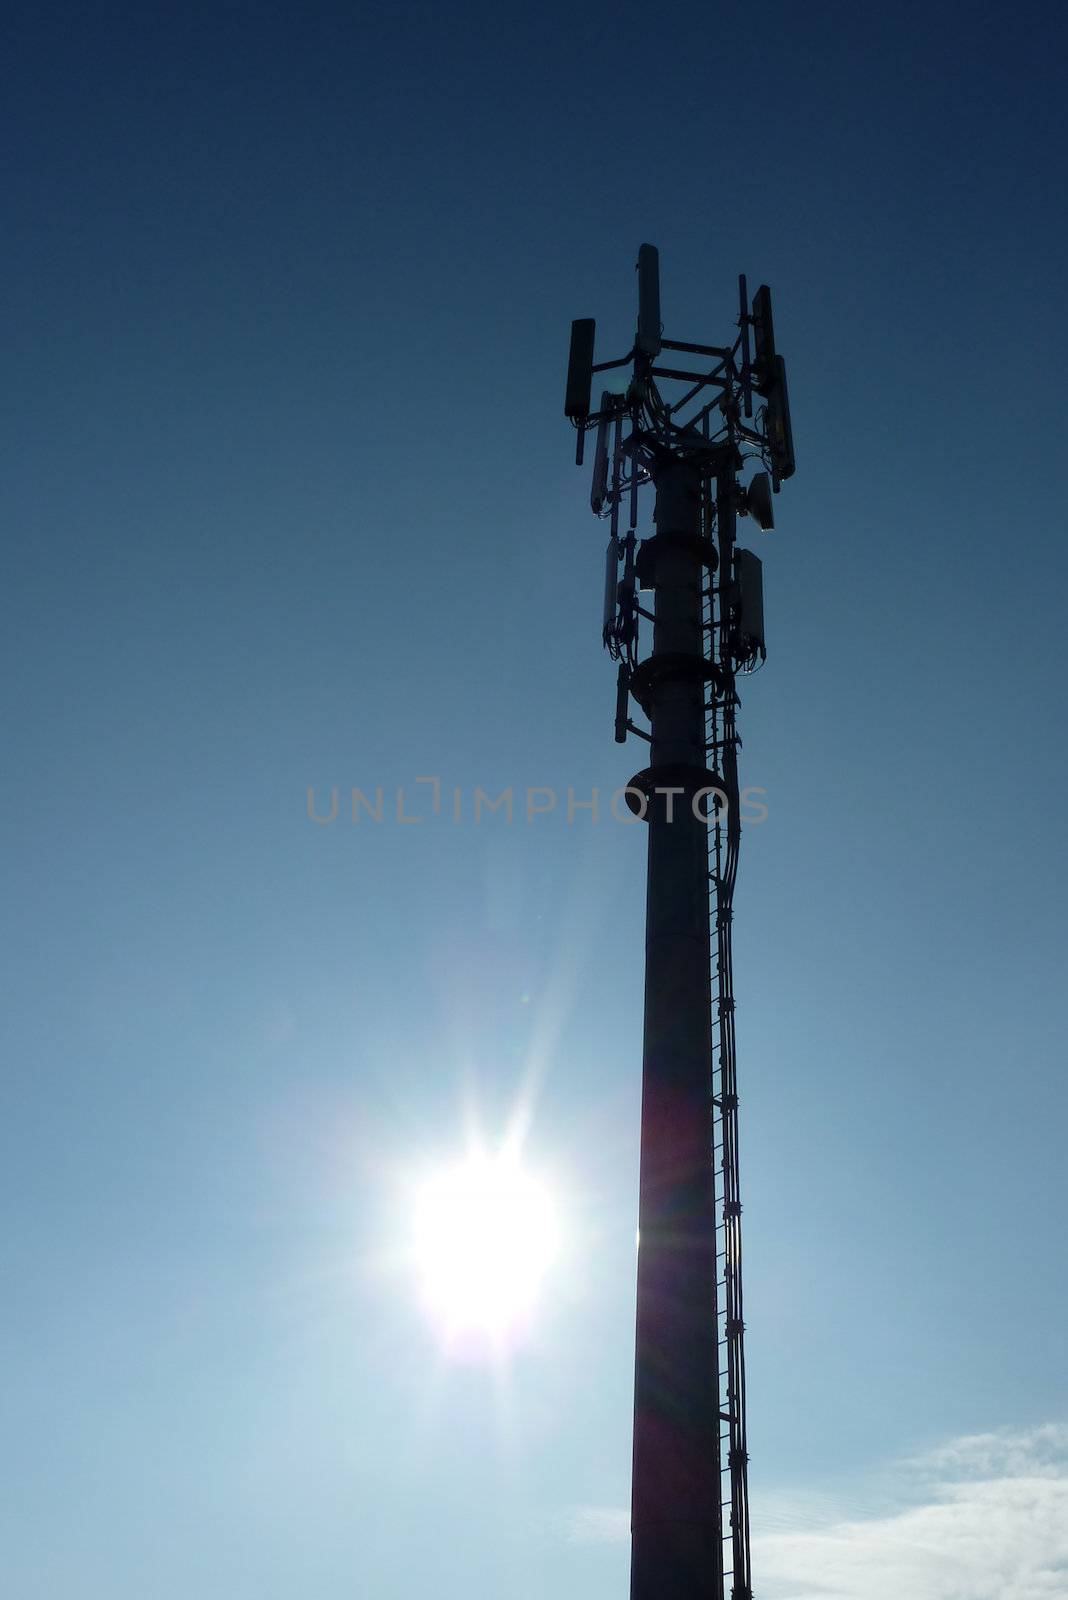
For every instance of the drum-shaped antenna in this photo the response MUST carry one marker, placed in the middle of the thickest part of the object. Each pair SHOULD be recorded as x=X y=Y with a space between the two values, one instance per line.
x=758 y=502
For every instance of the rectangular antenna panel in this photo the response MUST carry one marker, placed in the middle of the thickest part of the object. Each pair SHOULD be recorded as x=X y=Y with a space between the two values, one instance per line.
x=600 y=458
x=649 y=300
x=580 y=369
x=749 y=576
x=764 y=341
x=743 y=328
x=780 y=432
x=611 y=581
x=622 y=703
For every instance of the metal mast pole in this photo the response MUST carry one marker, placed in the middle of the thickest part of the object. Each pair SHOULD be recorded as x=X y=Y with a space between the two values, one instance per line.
x=690 y=1448
x=677 y=1544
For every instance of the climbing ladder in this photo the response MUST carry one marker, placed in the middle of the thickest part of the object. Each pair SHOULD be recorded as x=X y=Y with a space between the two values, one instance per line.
x=735 y=1576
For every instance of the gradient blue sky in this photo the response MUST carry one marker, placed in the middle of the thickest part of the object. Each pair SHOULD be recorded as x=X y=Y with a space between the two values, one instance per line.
x=289 y=501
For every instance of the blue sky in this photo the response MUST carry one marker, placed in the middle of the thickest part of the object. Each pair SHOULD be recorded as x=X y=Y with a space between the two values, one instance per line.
x=290 y=502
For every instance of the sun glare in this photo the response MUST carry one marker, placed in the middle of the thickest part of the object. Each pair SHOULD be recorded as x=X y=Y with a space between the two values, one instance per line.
x=485 y=1235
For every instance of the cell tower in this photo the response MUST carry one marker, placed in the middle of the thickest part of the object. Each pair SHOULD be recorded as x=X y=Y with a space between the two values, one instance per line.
x=689 y=433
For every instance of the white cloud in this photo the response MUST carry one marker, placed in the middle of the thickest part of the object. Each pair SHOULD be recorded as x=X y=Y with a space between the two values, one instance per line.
x=993 y=1525
x=985 y=1518
x=1038 y=1452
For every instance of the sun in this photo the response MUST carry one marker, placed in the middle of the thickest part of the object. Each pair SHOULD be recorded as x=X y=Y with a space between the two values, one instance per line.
x=485 y=1236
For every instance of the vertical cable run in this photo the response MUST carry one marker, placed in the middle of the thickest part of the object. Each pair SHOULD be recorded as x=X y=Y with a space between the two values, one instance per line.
x=724 y=841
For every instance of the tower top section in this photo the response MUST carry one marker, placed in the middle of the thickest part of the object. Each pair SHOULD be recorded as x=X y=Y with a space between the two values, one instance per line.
x=727 y=403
